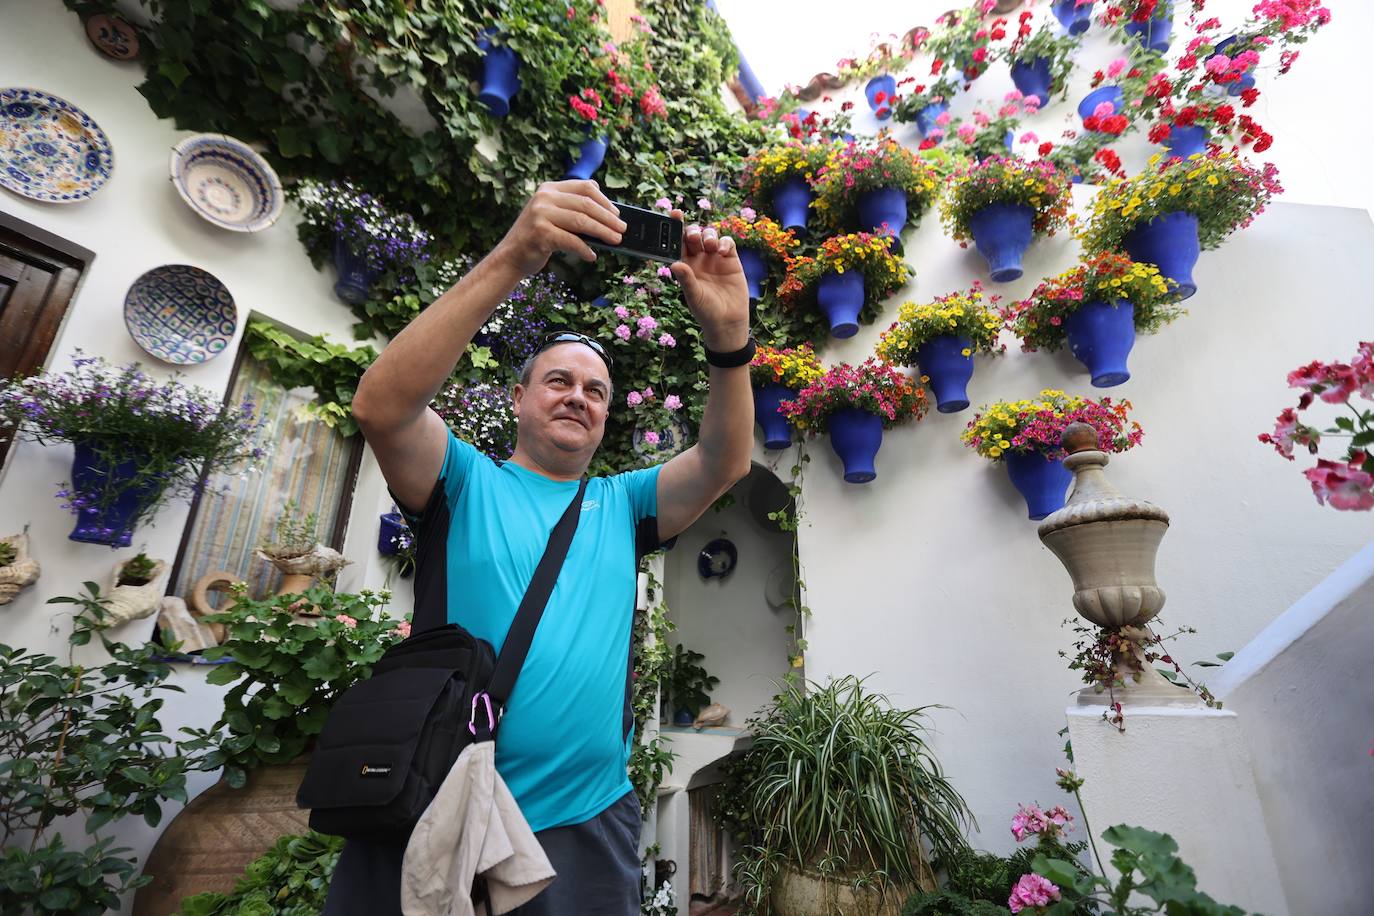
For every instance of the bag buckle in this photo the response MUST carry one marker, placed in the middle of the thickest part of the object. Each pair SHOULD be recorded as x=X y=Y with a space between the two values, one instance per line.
x=491 y=716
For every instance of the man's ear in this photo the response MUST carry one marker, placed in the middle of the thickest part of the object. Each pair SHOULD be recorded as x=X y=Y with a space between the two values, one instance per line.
x=517 y=395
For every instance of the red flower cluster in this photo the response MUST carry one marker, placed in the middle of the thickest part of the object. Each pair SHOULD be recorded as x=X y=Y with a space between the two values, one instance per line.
x=1113 y=124
x=587 y=104
x=1110 y=161
x=652 y=104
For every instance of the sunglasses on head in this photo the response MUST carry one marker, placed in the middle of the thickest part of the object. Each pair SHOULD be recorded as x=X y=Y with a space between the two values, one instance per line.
x=573 y=337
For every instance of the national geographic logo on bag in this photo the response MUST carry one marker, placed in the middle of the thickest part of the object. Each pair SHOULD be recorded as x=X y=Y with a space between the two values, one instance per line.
x=372 y=769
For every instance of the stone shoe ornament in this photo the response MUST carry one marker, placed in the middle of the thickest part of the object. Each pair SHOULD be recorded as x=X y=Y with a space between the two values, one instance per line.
x=300 y=571
x=19 y=573
x=715 y=714
x=133 y=602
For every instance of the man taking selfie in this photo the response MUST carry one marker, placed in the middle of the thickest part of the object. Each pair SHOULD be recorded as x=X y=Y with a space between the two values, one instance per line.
x=565 y=739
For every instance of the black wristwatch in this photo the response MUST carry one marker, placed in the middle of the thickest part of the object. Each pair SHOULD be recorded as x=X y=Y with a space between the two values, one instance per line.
x=734 y=358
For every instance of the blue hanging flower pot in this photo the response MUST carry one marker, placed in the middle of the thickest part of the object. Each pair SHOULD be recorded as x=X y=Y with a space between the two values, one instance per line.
x=683 y=717
x=856 y=435
x=356 y=274
x=942 y=360
x=884 y=207
x=1101 y=335
x=1183 y=142
x=500 y=75
x=1073 y=17
x=879 y=92
x=1247 y=80
x=841 y=297
x=755 y=271
x=791 y=203
x=927 y=119
x=92 y=476
x=1169 y=242
x=777 y=430
x=391 y=526
x=1002 y=233
x=1099 y=95
x=1156 y=32
x=1044 y=482
x=591 y=152
x=1033 y=78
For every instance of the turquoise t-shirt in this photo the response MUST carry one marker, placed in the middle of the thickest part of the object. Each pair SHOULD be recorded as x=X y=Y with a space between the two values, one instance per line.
x=562 y=746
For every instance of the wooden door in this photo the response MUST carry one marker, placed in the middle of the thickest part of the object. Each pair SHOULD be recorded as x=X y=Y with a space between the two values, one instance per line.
x=36 y=286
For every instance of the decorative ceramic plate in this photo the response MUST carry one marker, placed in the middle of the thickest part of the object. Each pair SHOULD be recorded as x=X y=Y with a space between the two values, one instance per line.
x=50 y=150
x=181 y=314
x=112 y=36
x=227 y=182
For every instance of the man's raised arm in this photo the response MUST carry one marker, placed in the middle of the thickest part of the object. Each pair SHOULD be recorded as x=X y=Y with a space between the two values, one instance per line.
x=392 y=402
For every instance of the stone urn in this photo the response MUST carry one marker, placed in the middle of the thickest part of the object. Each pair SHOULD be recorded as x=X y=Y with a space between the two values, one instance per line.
x=19 y=573
x=805 y=893
x=209 y=843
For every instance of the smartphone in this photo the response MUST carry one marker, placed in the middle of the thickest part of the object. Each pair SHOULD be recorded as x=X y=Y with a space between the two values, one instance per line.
x=649 y=235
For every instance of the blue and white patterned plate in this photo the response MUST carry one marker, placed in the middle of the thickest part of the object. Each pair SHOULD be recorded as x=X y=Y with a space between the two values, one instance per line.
x=50 y=150
x=227 y=182
x=181 y=314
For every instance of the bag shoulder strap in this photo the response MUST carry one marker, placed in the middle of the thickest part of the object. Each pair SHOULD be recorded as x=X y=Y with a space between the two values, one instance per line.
x=521 y=635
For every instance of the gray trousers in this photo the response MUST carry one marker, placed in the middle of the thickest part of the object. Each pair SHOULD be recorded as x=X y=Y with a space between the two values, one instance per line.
x=597 y=863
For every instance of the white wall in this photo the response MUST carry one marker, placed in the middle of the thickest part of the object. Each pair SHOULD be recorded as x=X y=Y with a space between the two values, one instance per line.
x=1303 y=697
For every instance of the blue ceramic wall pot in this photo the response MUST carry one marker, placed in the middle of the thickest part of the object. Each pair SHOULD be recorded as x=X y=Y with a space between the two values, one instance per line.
x=886 y=86
x=1183 y=142
x=1074 y=16
x=927 y=117
x=942 y=360
x=500 y=75
x=755 y=271
x=777 y=431
x=1157 y=32
x=683 y=717
x=1170 y=243
x=856 y=435
x=92 y=476
x=1002 y=233
x=1099 y=95
x=883 y=206
x=791 y=203
x=1101 y=335
x=591 y=152
x=392 y=526
x=356 y=274
x=841 y=297
x=1044 y=482
x=1033 y=78
x=1247 y=79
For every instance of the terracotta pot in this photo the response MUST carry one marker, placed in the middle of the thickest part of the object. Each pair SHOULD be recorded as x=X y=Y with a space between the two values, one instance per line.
x=207 y=846
x=808 y=894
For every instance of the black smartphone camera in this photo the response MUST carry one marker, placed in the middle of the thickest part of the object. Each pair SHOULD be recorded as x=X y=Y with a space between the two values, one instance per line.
x=649 y=235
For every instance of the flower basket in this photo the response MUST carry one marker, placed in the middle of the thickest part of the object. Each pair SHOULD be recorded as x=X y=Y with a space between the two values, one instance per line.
x=854 y=404
x=1173 y=211
x=133 y=601
x=762 y=244
x=925 y=105
x=1025 y=435
x=880 y=187
x=881 y=92
x=138 y=443
x=779 y=177
x=777 y=375
x=847 y=279
x=1002 y=204
x=591 y=152
x=1151 y=24
x=1040 y=62
x=1097 y=308
x=940 y=338
x=1074 y=15
x=17 y=570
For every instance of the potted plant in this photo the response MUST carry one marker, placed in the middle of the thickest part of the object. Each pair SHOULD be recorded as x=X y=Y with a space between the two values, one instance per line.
x=854 y=404
x=926 y=106
x=84 y=748
x=283 y=677
x=1025 y=436
x=687 y=684
x=1074 y=15
x=363 y=236
x=847 y=279
x=134 y=591
x=298 y=868
x=880 y=187
x=1040 y=62
x=660 y=425
x=839 y=805
x=296 y=552
x=500 y=72
x=881 y=92
x=138 y=444
x=762 y=244
x=479 y=413
x=940 y=338
x=1174 y=210
x=777 y=375
x=779 y=178
x=17 y=569
x=1097 y=308
x=1346 y=483
x=1001 y=204
x=1149 y=22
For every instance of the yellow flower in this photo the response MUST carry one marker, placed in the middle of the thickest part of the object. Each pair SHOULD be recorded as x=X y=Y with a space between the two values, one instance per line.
x=966 y=352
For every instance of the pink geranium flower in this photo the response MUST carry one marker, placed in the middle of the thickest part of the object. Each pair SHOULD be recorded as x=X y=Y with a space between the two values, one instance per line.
x=672 y=402
x=346 y=621
x=634 y=399
x=1116 y=67
x=1345 y=486
x=622 y=331
x=622 y=312
x=404 y=629
x=1032 y=890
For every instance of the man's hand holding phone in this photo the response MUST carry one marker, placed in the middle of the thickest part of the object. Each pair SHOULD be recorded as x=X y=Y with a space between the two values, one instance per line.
x=561 y=216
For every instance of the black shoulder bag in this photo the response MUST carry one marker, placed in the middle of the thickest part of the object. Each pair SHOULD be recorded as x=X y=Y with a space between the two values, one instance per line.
x=390 y=740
